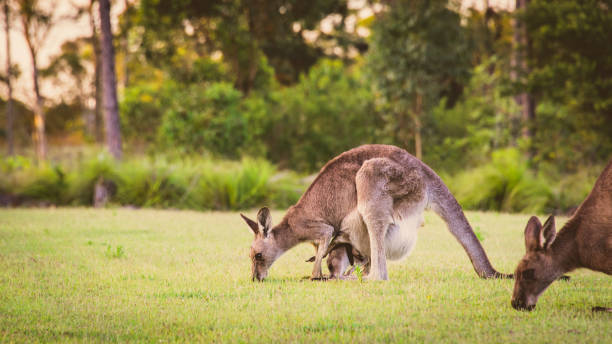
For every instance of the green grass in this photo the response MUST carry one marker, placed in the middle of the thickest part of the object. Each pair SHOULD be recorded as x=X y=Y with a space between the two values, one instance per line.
x=119 y=275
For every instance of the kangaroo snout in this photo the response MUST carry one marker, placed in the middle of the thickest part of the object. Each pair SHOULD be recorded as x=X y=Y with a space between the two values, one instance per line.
x=258 y=277
x=521 y=306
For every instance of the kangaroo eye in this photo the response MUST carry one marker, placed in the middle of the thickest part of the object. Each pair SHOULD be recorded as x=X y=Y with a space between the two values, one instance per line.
x=258 y=256
x=529 y=274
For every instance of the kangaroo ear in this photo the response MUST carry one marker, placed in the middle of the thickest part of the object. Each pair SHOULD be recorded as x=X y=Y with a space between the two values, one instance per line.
x=265 y=219
x=548 y=233
x=532 y=234
x=251 y=224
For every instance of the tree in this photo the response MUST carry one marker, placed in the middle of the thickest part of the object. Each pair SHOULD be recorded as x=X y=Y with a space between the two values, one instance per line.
x=97 y=82
x=69 y=70
x=570 y=66
x=244 y=31
x=419 y=53
x=9 y=103
x=111 y=107
x=126 y=26
x=525 y=99
x=36 y=23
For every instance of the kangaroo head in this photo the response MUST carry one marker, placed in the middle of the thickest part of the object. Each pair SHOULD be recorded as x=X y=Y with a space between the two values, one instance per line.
x=536 y=271
x=264 y=249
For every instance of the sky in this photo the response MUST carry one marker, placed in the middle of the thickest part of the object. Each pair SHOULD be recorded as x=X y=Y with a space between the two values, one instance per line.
x=70 y=29
x=63 y=31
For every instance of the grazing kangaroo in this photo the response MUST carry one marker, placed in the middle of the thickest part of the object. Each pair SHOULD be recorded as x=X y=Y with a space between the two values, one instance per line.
x=372 y=197
x=584 y=242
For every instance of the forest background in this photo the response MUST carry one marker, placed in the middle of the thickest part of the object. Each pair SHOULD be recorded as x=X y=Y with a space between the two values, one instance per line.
x=231 y=104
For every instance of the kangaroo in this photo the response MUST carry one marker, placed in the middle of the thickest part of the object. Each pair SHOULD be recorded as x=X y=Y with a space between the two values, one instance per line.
x=584 y=242
x=340 y=257
x=372 y=197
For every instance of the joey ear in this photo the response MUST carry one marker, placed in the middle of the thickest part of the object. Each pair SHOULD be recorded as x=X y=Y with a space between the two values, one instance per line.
x=265 y=219
x=251 y=224
x=532 y=234
x=548 y=233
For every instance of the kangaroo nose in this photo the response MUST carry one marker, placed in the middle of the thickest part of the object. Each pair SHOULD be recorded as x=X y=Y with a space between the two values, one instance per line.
x=515 y=304
x=519 y=306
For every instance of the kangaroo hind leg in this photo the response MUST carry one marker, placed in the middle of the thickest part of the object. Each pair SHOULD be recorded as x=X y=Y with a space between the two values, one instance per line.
x=375 y=205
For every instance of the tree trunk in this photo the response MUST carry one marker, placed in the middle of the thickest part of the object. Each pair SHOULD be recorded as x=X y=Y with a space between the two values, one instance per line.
x=525 y=100
x=418 y=109
x=9 y=102
x=40 y=141
x=111 y=108
x=125 y=45
x=97 y=127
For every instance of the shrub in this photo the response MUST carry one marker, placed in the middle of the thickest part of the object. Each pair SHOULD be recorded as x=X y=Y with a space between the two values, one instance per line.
x=572 y=189
x=84 y=178
x=504 y=184
x=47 y=183
x=467 y=133
x=234 y=186
x=329 y=111
x=189 y=183
x=205 y=120
x=142 y=109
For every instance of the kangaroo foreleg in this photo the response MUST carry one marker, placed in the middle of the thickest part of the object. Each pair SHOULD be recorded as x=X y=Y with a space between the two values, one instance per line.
x=325 y=237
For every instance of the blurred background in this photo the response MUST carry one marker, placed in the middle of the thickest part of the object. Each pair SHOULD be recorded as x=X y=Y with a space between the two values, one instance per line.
x=232 y=104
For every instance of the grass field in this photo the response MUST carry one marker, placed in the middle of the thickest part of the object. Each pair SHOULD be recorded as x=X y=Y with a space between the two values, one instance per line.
x=175 y=276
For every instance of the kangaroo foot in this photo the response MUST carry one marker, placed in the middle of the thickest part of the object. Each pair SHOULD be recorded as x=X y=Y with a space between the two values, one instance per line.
x=499 y=275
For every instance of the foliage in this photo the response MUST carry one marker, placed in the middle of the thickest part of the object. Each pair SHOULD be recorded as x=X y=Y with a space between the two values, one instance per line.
x=142 y=110
x=419 y=53
x=242 y=187
x=82 y=182
x=118 y=252
x=63 y=118
x=329 y=111
x=567 y=139
x=482 y=120
x=243 y=31
x=508 y=184
x=490 y=33
x=580 y=70
x=187 y=183
x=505 y=184
x=238 y=79
x=23 y=122
x=570 y=69
x=210 y=120
x=45 y=184
x=359 y=273
x=72 y=61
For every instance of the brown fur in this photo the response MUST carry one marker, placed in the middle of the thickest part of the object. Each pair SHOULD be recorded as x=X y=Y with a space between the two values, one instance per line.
x=340 y=258
x=366 y=197
x=584 y=242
